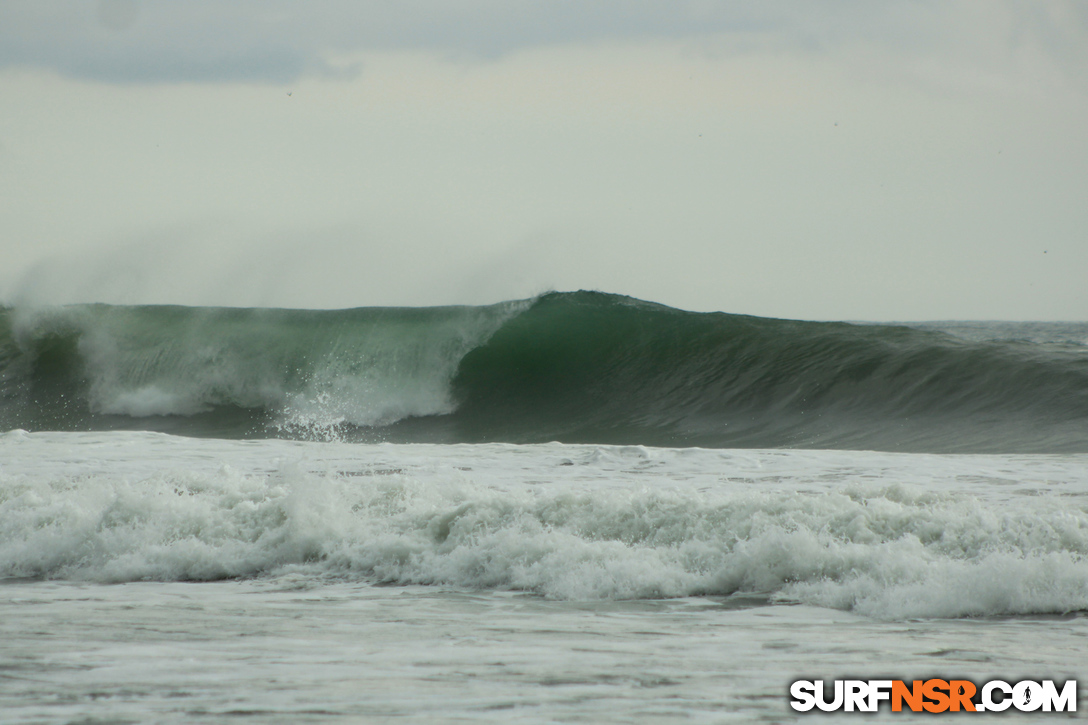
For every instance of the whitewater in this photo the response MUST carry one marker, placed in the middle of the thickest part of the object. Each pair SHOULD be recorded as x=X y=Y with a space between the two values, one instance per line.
x=577 y=508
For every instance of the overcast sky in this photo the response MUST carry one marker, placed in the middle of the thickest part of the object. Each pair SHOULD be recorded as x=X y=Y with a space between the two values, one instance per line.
x=818 y=160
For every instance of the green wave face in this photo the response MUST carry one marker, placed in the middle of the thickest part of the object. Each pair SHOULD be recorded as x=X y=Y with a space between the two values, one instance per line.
x=574 y=367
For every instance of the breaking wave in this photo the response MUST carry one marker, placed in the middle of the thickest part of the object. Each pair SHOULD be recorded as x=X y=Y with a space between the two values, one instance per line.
x=574 y=367
x=885 y=551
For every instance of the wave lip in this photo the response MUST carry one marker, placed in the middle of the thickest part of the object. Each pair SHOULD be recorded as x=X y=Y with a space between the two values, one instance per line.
x=574 y=367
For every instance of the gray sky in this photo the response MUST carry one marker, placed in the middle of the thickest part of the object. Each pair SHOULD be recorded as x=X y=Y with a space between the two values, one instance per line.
x=835 y=160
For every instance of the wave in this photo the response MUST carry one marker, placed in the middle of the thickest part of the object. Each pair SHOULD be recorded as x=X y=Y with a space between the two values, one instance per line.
x=580 y=367
x=886 y=551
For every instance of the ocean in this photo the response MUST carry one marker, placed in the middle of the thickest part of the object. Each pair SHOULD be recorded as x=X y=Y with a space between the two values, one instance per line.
x=580 y=507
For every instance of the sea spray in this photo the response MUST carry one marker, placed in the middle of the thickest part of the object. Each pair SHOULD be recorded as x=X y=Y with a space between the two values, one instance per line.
x=301 y=373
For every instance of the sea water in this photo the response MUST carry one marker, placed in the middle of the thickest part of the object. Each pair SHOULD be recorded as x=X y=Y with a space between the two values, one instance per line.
x=154 y=578
x=576 y=508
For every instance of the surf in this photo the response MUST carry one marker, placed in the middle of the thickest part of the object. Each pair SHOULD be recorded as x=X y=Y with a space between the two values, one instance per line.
x=889 y=536
x=579 y=367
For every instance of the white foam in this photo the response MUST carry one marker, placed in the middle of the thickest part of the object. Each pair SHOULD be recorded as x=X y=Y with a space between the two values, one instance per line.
x=618 y=523
x=150 y=400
